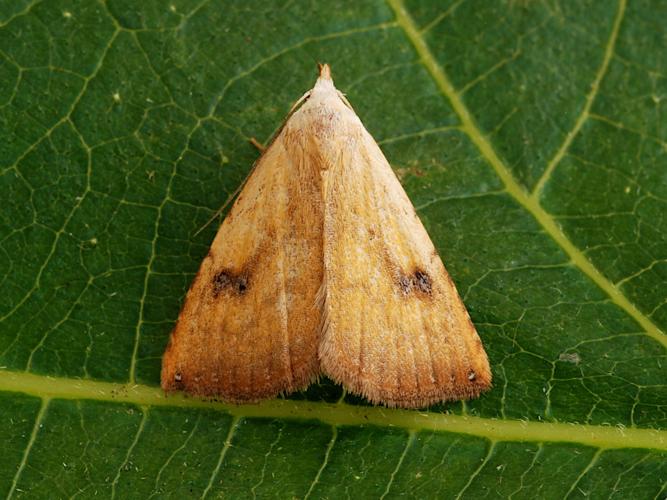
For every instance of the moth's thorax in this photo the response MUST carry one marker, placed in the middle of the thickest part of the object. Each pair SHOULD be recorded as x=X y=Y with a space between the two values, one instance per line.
x=324 y=125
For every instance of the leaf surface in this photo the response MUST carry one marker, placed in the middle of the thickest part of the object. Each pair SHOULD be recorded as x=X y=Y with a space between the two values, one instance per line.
x=531 y=137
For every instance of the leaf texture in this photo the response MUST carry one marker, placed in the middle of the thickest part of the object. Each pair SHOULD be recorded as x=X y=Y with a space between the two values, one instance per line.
x=531 y=138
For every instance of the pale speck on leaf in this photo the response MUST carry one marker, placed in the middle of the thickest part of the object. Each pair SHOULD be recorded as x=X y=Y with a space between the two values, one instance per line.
x=570 y=357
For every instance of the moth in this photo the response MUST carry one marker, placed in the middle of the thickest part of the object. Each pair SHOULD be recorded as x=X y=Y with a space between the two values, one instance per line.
x=322 y=266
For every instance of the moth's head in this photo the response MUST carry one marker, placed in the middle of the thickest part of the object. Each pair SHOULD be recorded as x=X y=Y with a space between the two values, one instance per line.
x=325 y=85
x=325 y=71
x=324 y=82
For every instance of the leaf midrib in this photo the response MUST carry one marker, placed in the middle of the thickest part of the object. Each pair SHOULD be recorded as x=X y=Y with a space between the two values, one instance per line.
x=598 y=436
x=527 y=200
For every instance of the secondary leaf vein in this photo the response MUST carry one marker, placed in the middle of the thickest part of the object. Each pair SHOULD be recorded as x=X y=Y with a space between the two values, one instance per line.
x=512 y=186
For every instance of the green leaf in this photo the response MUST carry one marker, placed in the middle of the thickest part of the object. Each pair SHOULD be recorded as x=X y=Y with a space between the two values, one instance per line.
x=531 y=137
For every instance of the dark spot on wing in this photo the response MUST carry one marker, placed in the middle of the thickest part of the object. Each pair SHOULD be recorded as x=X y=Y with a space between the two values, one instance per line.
x=241 y=284
x=226 y=280
x=418 y=282
x=405 y=284
x=422 y=282
x=221 y=281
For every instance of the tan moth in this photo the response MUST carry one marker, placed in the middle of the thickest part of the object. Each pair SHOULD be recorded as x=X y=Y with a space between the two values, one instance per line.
x=322 y=266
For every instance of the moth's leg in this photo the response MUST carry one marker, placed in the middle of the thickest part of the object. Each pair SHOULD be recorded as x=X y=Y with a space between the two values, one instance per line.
x=298 y=103
x=260 y=147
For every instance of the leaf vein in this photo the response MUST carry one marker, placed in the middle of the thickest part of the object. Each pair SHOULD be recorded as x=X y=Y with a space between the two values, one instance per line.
x=605 y=436
x=334 y=436
x=585 y=470
x=408 y=443
x=30 y=148
x=228 y=443
x=28 y=448
x=590 y=98
x=488 y=456
x=512 y=186
x=144 y=417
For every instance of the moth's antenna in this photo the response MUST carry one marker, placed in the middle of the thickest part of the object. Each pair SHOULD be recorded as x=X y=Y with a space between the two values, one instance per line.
x=225 y=204
x=232 y=196
x=324 y=73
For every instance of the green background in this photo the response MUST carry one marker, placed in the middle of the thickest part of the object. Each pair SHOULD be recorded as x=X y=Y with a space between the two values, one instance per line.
x=531 y=138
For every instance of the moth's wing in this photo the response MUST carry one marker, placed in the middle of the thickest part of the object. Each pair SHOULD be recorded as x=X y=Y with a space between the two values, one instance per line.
x=394 y=329
x=249 y=327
